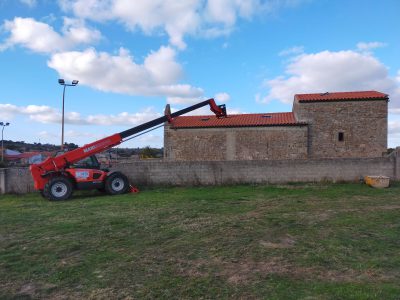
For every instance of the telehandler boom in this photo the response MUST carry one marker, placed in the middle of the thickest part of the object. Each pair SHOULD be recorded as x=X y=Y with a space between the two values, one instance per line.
x=57 y=177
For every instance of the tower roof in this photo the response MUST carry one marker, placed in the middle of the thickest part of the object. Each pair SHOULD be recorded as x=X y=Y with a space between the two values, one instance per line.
x=341 y=96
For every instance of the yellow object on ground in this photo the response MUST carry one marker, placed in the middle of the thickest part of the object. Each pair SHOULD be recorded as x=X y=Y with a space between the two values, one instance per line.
x=377 y=181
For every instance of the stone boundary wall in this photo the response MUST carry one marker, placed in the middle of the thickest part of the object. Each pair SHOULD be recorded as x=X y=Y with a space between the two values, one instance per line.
x=16 y=181
x=256 y=172
x=158 y=172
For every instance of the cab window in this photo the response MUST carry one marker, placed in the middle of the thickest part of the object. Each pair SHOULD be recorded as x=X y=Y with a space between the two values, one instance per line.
x=87 y=163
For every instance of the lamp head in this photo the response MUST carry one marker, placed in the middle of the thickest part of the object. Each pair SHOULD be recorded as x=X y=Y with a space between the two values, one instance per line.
x=1 y=123
x=75 y=82
x=61 y=81
x=7 y=123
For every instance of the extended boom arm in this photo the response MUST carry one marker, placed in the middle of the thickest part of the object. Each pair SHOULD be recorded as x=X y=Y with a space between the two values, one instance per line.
x=59 y=163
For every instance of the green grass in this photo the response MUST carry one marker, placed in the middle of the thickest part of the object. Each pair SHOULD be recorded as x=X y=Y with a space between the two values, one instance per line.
x=298 y=241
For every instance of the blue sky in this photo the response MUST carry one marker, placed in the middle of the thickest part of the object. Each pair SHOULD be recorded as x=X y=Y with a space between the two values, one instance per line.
x=133 y=57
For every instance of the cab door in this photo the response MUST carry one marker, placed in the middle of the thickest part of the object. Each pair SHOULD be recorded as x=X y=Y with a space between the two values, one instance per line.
x=87 y=173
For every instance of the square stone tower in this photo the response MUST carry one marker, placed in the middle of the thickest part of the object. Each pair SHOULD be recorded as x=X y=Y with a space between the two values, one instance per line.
x=348 y=124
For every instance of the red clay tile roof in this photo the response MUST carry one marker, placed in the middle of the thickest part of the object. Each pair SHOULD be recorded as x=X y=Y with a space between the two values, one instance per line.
x=242 y=120
x=343 y=96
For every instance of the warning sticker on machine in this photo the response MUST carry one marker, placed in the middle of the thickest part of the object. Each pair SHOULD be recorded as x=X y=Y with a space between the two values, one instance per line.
x=82 y=174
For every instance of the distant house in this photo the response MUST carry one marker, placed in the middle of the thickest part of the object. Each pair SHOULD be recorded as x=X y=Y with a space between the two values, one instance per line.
x=328 y=125
x=25 y=158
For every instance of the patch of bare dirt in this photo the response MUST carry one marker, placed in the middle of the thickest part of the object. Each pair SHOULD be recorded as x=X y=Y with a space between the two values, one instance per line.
x=196 y=224
x=321 y=216
x=108 y=293
x=234 y=271
x=380 y=207
x=70 y=258
x=193 y=268
x=8 y=237
x=283 y=242
x=255 y=214
x=243 y=271
x=32 y=290
x=316 y=216
x=28 y=289
x=350 y=275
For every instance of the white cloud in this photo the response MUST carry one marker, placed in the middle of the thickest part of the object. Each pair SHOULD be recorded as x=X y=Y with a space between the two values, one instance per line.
x=30 y=3
x=69 y=134
x=152 y=140
x=162 y=66
x=259 y=99
x=362 y=46
x=79 y=134
x=332 y=71
x=394 y=127
x=76 y=32
x=219 y=97
x=41 y=37
x=394 y=133
x=176 y=18
x=46 y=114
x=222 y=97
x=79 y=137
x=184 y=100
x=124 y=118
x=205 y=111
x=47 y=135
x=158 y=75
x=222 y=11
x=295 y=50
x=8 y=111
x=395 y=111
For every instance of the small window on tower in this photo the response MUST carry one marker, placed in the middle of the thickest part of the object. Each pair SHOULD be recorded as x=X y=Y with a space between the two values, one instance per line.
x=341 y=136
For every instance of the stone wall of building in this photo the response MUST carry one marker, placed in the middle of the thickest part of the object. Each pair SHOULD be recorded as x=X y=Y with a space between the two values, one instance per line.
x=363 y=125
x=241 y=143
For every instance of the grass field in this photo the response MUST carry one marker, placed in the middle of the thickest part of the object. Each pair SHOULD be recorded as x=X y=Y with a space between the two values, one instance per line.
x=338 y=241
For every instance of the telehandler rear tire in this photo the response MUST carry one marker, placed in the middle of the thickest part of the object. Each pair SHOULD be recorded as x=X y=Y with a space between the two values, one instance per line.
x=58 y=189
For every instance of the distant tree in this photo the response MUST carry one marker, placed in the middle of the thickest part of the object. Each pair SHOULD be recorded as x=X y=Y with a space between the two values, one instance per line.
x=10 y=146
x=390 y=150
x=70 y=146
x=148 y=152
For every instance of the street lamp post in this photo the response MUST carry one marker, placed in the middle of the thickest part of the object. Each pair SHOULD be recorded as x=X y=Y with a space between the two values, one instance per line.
x=62 y=82
x=2 y=139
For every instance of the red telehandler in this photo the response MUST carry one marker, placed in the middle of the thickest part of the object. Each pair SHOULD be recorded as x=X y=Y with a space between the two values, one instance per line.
x=57 y=177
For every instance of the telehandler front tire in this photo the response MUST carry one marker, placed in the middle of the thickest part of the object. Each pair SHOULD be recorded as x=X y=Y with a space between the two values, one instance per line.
x=58 y=189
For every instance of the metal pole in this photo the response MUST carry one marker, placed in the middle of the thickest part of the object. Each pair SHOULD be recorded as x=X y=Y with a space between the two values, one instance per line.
x=62 y=121
x=62 y=82
x=2 y=145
